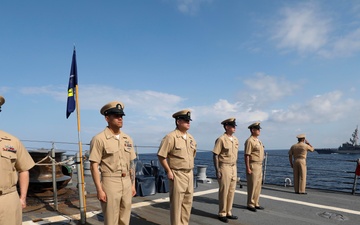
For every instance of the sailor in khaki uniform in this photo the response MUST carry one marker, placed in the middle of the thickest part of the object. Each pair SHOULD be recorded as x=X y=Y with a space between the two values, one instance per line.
x=112 y=152
x=297 y=159
x=15 y=163
x=176 y=154
x=225 y=161
x=254 y=156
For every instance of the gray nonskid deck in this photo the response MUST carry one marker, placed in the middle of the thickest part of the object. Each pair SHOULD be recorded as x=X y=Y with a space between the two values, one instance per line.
x=282 y=206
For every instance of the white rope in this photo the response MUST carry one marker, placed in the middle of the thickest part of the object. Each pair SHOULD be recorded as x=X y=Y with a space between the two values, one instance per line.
x=39 y=163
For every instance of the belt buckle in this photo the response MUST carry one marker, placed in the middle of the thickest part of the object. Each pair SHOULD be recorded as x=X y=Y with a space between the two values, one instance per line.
x=123 y=174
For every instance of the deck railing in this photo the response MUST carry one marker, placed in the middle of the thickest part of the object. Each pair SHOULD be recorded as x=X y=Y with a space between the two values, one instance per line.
x=322 y=173
x=327 y=173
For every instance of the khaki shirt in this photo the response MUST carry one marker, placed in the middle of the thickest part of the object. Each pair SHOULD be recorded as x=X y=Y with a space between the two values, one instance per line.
x=180 y=152
x=299 y=150
x=113 y=154
x=14 y=158
x=255 y=149
x=227 y=149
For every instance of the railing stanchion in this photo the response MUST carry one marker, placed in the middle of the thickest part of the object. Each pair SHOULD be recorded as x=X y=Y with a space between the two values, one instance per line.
x=264 y=170
x=357 y=170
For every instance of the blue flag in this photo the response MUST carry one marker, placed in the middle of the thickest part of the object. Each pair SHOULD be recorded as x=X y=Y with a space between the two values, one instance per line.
x=73 y=81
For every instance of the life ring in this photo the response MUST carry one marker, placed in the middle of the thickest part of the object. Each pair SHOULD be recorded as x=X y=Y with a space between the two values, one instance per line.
x=288 y=182
x=357 y=171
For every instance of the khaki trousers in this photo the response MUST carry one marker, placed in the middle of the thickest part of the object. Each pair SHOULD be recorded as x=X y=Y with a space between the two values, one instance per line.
x=254 y=184
x=181 y=197
x=227 y=186
x=299 y=169
x=10 y=209
x=117 y=209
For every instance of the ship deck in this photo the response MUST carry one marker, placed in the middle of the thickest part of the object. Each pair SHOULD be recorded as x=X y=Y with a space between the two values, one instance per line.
x=282 y=206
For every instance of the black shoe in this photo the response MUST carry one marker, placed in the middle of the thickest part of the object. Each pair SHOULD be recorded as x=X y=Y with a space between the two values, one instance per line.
x=259 y=207
x=303 y=193
x=232 y=217
x=251 y=209
x=223 y=219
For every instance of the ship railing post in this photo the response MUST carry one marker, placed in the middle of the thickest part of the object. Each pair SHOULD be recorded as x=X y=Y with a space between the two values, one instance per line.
x=79 y=186
x=357 y=171
x=54 y=176
x=354 y=185
x=264 y=169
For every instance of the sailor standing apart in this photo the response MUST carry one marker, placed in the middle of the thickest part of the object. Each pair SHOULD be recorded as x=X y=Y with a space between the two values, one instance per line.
x=15 y=163
x=176 y=154
x=225 y=161
x=112 y=151
x=254 y=156
x=297 y=159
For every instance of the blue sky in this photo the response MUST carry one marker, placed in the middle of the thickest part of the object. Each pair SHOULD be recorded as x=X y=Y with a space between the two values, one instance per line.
x=292 y=65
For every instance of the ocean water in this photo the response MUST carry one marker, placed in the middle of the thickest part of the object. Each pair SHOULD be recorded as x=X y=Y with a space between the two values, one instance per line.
x=324 y=171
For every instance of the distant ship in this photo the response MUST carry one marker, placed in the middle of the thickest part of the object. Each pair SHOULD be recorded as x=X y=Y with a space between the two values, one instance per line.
x=351 y=147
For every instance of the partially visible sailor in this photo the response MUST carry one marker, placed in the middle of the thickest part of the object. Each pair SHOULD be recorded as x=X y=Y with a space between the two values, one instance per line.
x=15 y=163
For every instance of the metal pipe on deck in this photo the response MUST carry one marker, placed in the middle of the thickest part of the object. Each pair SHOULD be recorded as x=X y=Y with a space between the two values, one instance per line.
x=80 y=179
x=264 y=170
x=54 y=177
x=354 y=185
x=357 y=173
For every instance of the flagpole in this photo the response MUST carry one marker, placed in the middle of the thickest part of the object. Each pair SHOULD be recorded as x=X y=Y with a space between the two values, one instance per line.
x=72 y=104
x=81 y=176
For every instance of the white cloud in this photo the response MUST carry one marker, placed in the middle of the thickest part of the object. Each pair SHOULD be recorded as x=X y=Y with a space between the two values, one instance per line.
x=328 y=107
x=346 y=45
x=49 y=90
x=264 y=89
x=151 y=111
x=150 y=103
x=190 y=6
x=307 y=28
x=223 y=109
x=274 y=87
x=303 y=28
x=3 y=90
